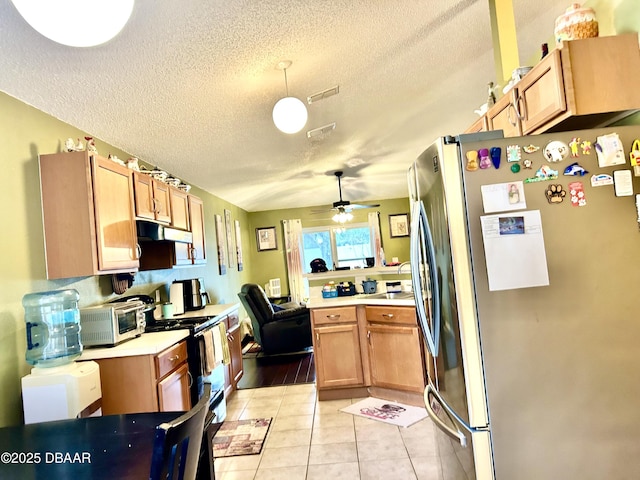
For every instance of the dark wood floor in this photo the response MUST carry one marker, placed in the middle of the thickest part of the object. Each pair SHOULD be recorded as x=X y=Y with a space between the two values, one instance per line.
x=262 y=371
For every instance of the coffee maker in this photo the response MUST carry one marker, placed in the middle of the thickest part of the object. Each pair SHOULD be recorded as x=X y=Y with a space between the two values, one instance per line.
x=188 y=295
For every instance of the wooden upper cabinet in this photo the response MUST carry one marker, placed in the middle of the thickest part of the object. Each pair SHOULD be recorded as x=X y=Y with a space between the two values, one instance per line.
x=179 y=208
x=480 y=125
x=504 y=116
x=587 y=83
x=152 y=198
x=88 y=215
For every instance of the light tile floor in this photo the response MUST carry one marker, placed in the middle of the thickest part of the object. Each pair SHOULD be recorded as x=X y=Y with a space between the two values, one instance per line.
x=315 y=441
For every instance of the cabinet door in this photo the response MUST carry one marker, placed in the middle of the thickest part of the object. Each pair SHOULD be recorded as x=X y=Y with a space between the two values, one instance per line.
x=503 y=116
x=337 y=356
x=116 y=236
x=196 y=214
x=479 y=125
x=143 y=190
x=179 y=209
x=396 y=358
x=235 y=348
x=541 y=95
x=161 y=202
x=173 y=391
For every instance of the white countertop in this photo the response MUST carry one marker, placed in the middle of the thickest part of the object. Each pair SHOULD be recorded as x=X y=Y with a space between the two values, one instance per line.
x=210 y=311
x=359 y=299
x=146 y=344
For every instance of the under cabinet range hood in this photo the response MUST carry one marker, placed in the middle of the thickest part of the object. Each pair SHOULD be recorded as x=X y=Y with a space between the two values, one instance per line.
x=151 y=231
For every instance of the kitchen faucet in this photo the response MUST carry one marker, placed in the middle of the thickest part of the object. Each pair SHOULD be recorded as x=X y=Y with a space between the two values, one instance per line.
x=402 y=265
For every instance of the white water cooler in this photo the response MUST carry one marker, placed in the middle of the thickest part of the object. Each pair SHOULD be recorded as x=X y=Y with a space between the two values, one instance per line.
x=64 y=392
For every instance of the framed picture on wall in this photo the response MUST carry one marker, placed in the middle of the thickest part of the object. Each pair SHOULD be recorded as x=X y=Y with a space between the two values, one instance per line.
x=222 y=260
x=266 y=238
x=230 y=248
x=399 y=225
x=239 y=246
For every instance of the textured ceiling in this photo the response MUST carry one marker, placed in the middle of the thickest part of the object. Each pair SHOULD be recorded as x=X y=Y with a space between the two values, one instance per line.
x=189 y=86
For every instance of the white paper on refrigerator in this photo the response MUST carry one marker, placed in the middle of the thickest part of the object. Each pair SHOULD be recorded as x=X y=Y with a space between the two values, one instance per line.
x=503 y=197
x=514 y=250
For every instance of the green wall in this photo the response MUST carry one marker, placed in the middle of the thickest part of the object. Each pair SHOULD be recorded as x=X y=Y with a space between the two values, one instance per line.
x=272 y=263
x=24 y=134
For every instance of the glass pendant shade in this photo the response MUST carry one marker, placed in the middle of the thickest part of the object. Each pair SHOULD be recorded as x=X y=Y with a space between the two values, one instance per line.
x=289 y=115
x=76 y=23
x=342 y=217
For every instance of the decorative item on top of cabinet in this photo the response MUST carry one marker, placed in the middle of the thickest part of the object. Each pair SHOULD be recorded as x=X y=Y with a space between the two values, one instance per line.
x=88 y=215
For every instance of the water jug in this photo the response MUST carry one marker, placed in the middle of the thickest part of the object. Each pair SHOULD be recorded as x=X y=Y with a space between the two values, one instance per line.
x=53 y=327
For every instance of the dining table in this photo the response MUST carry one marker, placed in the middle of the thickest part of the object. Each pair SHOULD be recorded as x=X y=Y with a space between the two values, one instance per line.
x=113 y=447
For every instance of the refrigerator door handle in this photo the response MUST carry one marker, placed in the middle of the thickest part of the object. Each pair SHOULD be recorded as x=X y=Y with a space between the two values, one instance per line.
x=421 y=237
x=456 y=433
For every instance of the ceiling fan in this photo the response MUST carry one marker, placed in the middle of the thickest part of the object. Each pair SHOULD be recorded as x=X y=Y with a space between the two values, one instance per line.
x=344 y=207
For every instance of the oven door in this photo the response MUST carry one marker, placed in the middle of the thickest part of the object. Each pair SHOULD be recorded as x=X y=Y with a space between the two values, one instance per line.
x=128 y=318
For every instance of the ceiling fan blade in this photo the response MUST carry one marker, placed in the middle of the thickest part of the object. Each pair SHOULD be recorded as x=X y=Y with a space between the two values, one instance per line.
x=356 y=206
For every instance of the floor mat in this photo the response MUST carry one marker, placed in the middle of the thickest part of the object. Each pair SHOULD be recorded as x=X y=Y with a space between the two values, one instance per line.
x=388 y=412
x=240 y=437
x=251 y=349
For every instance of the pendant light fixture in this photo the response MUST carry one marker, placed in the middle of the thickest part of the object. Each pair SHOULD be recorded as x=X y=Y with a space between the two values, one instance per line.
x=289 y=113
x=76 y=23
x=342 y=216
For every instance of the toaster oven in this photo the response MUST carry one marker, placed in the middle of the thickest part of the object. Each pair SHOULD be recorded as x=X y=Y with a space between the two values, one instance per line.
x=111 y=324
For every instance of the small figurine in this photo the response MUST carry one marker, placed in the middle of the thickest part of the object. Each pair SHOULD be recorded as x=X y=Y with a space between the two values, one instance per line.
x=69 y=145
x=132 y=163
x=79 y=146
x=491 y=99
x=91 y=145
x=574 y=146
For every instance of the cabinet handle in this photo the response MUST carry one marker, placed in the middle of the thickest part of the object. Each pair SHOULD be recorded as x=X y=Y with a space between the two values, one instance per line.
x=511 y=120
x=174 y=358
x=521 y=112
x=369 y=337
x=387 y=315
x=154 y=206
x=190 y=379
x=333 y=316
x=192 y=252
x=138 y=251
x=317 y=338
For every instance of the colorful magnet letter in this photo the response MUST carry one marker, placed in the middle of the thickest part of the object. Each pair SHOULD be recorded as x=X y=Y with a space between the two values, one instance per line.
x=496 y=153
x=575 y=169
x=574 y=143
x=472 y=161
x=485 y=162
x=586 y=147
x=513 y=153
x=555 y=194
x=576 y=190
x=530 y=149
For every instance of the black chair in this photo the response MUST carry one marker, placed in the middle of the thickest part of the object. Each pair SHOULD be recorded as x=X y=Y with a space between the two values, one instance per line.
x=282 y=331
x=176 y=447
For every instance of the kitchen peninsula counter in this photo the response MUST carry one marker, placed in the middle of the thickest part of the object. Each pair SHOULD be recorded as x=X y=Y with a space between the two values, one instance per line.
x=405 y=300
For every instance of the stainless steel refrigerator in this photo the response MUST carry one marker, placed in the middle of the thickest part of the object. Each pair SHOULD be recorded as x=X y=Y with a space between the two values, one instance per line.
x=527 y=298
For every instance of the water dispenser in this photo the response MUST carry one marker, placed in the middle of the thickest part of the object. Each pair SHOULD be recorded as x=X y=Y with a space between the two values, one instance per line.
x=58 y=387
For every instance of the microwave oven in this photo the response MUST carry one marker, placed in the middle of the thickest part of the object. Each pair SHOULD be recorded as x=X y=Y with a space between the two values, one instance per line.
x=109 y=325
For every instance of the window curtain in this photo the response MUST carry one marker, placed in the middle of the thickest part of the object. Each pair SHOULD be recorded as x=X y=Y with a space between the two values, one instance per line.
x=374 y=227
x=292 y=245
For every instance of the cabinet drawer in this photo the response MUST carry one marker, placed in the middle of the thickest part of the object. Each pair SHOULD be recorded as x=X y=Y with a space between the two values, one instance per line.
x=325 y=316
x=232 y=321
x=169 y=359
x=389 y=314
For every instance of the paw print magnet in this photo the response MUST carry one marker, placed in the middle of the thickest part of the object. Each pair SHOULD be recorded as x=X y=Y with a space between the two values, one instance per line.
x=576 y=190
x=555 y=193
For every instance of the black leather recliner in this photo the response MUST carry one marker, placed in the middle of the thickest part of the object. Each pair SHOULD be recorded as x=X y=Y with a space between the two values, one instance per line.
x=282 y=331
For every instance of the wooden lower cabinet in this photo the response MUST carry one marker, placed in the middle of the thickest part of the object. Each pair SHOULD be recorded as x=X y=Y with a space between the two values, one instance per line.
x=146 y=383
x=234 y=370
x=368 y=346
x=396 y=359
x=338 y=360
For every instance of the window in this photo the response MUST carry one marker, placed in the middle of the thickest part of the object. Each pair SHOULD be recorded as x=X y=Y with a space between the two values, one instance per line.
x=337 y=246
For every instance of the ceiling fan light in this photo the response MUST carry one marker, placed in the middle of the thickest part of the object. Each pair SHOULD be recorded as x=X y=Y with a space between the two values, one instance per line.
x=76 y=23
x=289 y=115
x=342 y=217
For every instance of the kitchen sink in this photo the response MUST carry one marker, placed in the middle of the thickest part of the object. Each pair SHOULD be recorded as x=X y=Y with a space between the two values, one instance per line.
x=391 y=295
